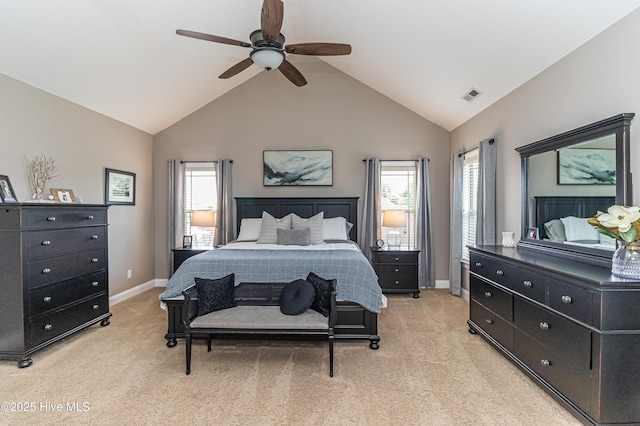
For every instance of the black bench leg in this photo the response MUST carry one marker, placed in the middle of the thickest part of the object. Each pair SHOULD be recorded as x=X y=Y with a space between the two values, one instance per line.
x=331 y=355
x=209 y=342
x=188 y=349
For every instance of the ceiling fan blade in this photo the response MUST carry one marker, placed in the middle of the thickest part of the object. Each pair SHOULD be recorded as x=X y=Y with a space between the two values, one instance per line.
x=292 y=73
x=209 y=37
x=271 y=19
x=240 y=66
x=319 y=49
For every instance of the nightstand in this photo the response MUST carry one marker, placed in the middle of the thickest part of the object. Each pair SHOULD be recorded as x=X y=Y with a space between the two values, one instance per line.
x=182 y=254
x=397 y=270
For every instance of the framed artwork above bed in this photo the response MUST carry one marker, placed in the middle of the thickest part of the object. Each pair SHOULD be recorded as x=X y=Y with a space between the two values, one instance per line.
x=311 y=168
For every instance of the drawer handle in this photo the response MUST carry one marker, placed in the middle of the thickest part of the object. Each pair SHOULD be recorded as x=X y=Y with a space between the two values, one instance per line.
x=527 y=284
x=397 y=259
x=46 y=270
x=397 y=282
x=48 y=327
x=94 y=284
x=397 y=270
x=47 y=299
x=544 y=326
x=545 y=362
x=51 y=219
x=90 y=217
x=487 y=294
x=94 y=260
x=95 y=307
x=46 y=243
x=499 y=272
x=479 y=265
x=566 y=299
x=94 y=237
x=488 y=321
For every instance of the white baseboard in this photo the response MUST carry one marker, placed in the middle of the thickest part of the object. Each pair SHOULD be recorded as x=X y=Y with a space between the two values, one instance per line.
x=124 y=295
x=161 y=282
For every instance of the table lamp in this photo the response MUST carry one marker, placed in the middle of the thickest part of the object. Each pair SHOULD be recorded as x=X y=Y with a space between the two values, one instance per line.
x=394 y=219
x=203 y=219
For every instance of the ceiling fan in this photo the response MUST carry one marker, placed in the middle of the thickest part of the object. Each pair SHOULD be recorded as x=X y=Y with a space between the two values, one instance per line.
x=267 y=46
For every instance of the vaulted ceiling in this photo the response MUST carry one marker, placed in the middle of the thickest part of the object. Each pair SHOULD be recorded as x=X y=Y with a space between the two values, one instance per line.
x=122 y=58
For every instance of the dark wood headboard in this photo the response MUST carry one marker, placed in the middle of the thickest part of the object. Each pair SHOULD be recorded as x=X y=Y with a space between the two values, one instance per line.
x=346 y=207
x=548 y=208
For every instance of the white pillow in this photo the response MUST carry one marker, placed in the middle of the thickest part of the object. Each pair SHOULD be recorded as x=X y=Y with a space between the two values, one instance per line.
x=577 y=229
x=249 y=230
x=335 y=228
x=314 y=224
x=268 y=233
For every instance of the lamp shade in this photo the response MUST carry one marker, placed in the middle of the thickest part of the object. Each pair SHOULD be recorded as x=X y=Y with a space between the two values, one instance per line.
x=268 y=59
x=205 y=218
x=394 y=219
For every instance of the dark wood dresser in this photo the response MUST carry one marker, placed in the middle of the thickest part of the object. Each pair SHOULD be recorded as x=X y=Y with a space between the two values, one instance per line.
x=571 y=326
x=397 y=270
x=53 y=274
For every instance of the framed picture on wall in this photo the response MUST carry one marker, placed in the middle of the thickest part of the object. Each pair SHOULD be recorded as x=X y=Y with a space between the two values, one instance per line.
x=7 y=194
x=120 y=187
x=311 y=168
x=586 y=166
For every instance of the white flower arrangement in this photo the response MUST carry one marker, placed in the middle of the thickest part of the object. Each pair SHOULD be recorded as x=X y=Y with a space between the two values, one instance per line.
x=620 y=222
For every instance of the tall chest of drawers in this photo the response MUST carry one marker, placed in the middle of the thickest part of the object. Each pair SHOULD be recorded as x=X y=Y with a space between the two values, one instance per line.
x=53 y=274
x=571 y=326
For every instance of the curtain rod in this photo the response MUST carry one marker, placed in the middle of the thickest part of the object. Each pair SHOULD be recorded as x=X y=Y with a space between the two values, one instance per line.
x=201 y=161
x=365 y=159
x=491 y=141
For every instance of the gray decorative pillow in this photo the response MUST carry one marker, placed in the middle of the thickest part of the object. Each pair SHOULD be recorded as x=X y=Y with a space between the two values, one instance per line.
x=314 y=224
x=555 y=230
x=296 y=237
x=268 y=228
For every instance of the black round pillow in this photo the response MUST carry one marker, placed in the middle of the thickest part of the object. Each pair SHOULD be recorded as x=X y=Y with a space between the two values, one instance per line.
x=296 y=297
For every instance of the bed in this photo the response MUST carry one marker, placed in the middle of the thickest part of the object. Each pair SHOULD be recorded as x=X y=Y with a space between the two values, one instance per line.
x=359 y=295
x=562 y=219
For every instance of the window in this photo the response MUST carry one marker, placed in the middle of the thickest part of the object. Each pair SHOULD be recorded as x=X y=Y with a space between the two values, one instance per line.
x=200 y=202
x=398 y=195
x=469 y=201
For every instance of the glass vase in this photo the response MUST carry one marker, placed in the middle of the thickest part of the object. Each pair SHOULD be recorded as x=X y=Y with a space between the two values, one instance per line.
x=626 y=260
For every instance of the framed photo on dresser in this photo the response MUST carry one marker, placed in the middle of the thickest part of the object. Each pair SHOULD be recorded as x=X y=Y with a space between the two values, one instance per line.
x=7 y=194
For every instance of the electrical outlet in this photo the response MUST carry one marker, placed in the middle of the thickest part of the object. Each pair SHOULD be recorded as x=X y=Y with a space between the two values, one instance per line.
x=129 y=273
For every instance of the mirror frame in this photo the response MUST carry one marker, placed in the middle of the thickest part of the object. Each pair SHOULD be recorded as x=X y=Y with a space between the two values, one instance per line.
x=618 y=125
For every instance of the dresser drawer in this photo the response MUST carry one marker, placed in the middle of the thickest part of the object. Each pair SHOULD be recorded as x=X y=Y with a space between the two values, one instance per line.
x=396 y=257
x=531 y=285
x=492 y=324
x=54 y=296
x=498 y=300
x=572 y=301
x=50 y=218
x=556 y=369
x=48 y=243
x=397 y=276
x=60 y=268
x=492 y=269
x=45 y=328
x=553 y=331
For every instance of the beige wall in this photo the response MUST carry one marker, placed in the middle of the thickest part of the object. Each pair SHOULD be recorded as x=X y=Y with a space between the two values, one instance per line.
x=83 y=143
x=333 y=112
x=598 y=80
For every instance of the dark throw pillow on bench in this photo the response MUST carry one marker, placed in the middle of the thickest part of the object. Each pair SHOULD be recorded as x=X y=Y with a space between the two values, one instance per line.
x=323 y=288
x=215 y=295
x=296 y=297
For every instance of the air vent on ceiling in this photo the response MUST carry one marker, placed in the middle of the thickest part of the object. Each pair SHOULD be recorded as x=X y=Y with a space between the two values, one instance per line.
x=471 y=95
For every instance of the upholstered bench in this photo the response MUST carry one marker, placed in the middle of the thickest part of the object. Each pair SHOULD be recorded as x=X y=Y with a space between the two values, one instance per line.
x=257 y=313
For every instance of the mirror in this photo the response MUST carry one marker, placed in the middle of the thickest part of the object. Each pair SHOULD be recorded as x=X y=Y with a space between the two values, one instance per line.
x=567 y=179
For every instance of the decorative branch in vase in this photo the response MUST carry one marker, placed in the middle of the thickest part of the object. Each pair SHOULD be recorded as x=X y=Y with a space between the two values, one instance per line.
x=40 y=170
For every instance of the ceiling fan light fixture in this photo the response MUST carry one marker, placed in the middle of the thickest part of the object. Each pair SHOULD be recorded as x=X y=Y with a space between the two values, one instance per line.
x=267 y=59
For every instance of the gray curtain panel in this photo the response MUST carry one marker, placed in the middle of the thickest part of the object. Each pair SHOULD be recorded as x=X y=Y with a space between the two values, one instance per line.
x=370 y=224
x=487 y=168
x=224 y=217
x=455 y=246
x=175 y=201
x=424 y=241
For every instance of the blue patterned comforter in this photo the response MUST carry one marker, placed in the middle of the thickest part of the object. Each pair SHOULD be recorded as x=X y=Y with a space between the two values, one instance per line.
x=357 y=281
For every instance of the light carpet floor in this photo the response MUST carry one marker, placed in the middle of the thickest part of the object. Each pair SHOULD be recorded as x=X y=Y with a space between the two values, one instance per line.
x=428 y=371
